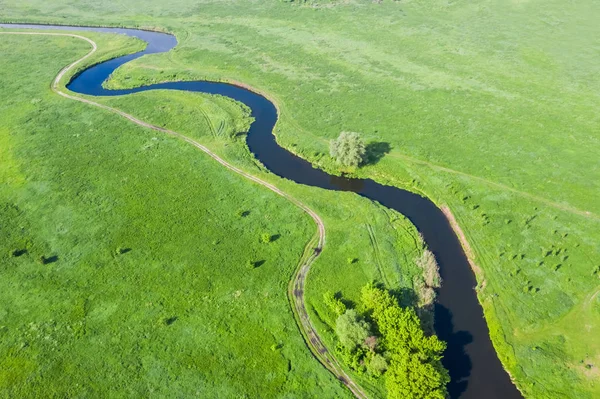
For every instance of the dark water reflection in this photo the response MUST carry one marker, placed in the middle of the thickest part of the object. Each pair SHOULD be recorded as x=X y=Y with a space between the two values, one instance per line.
x=473 y=364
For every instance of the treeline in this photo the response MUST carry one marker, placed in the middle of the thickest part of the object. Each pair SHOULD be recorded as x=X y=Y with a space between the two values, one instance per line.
x=386 y=340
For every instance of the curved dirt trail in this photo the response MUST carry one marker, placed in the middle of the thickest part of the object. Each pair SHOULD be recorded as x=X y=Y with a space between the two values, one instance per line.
x=312 y=250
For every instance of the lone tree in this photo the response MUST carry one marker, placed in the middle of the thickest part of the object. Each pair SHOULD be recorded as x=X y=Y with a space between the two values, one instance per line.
x=348 y=149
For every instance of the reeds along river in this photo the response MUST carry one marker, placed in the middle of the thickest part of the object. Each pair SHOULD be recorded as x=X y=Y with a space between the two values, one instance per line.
x=474 y=366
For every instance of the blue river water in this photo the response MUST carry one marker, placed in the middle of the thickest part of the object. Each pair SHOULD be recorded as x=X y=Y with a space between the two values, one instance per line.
x=474 y=367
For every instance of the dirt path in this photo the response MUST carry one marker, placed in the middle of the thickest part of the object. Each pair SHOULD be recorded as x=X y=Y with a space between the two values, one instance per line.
x=312 y=250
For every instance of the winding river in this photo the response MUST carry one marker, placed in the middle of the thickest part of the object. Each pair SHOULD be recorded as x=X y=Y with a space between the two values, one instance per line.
x=474 y=367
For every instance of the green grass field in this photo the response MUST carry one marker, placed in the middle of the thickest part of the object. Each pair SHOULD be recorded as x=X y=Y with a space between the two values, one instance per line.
x=487 y=107
x=144 y=287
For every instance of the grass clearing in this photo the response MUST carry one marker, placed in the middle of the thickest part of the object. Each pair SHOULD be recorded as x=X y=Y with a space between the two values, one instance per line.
x=487 y=107
x=119 y=269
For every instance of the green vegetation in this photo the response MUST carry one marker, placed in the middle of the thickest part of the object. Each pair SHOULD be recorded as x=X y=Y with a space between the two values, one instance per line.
x=393 y=344
x=348 y=149
x=139 y=289
x=383 y=247
x=487 y=107
x=156 y=277
x=415 y=369
x=351 y=330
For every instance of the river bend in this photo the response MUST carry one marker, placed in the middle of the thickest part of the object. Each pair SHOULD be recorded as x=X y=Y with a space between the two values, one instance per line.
x=474 y=367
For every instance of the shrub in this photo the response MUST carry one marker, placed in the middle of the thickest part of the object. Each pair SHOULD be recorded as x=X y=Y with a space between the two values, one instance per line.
x=348 y=149
x=431 y=270
x=376 y=365
x=351 y=330
x=266 y=238
x=425 y=293
x=354 y=358
x=334 y=304
x=121 y=251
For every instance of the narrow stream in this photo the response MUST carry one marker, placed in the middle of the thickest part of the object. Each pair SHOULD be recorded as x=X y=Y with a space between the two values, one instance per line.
x=474 y=367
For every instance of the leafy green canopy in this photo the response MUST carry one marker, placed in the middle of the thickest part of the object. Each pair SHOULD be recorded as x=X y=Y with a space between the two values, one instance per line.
x=348 y=149
x=333 y=303
x=351 y=329
x=415 y=370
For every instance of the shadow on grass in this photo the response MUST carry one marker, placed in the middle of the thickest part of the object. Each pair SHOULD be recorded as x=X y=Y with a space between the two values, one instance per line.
x=375 y=151
x=47 y=260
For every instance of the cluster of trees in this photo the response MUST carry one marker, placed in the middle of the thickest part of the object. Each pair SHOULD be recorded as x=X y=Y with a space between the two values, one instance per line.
x=388 y=340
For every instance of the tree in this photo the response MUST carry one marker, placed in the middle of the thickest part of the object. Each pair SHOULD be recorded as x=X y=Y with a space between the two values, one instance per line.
x=415 y=369
x=351 y=329
x=348 y=149
x=334 y=303
x=376 y=365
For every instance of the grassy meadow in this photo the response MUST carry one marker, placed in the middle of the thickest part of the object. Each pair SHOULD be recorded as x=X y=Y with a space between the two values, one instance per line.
x=487 y=107
x=131 y=264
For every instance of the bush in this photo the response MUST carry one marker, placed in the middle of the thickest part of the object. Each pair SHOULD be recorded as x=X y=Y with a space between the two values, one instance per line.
x=348 y=149
x=266 y=238
x=354 y=358
x=431 y=270
x=351 y=330
x=377 y=365
x=334 y=304
x=121 y=251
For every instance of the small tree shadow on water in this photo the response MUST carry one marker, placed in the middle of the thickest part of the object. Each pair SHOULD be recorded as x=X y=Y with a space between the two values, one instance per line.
x=376 y=150
x=456 y=359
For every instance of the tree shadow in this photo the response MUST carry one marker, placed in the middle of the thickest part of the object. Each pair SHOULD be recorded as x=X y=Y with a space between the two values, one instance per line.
x=46 y=260
x=18 y=252
x=350 y=304
x=376 y=150
x=456 y=359
x=406 y=297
